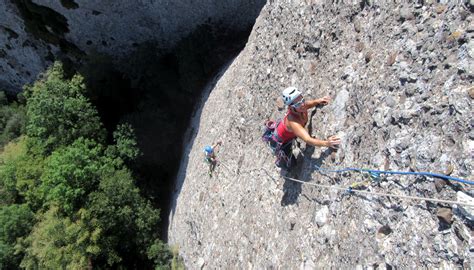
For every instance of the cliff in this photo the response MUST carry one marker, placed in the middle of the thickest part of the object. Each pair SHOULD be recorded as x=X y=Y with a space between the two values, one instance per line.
x=35 y=32
x=400 y=76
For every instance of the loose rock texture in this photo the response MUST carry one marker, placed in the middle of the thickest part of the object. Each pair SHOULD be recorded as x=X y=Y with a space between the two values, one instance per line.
x=33 y=32
x=400 y=77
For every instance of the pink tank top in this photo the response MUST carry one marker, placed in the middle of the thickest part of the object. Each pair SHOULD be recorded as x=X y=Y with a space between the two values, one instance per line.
x=283 y=133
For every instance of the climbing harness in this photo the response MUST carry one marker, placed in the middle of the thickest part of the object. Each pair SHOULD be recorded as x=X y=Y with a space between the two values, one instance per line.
x=209 y=155
x=376 y=173
x=268 y=136
x=282 y=151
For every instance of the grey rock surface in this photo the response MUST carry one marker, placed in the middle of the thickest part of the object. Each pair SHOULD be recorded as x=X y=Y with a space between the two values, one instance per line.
x=22 y=58
x=401 y=101
x=115 y=26
x=111 y=27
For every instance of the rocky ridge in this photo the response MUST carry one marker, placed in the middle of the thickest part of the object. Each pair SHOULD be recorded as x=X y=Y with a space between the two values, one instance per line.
x=400 y=75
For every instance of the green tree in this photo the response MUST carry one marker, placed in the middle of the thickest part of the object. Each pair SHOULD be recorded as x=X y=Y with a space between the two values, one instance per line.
x=58 y=111
x=15 y=221
x=129 y=221
x=162 y=256
x=9 y=158
x=3 y=98
x=71 y=173
x=20 y=173
x=58 y=242
x=115 y=223
x=8 y=191
x=125 y=142
x=89 y=212
x=12 y=120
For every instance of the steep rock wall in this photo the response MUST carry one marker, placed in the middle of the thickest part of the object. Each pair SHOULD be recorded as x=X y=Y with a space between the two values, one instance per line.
x=21 y=56
x=34 y=32
x=400 y=76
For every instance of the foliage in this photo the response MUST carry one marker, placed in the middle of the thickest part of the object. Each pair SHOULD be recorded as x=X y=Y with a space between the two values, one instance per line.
x=61 y=175
x=161 y=255
x=3 y=98
x=19 y=174
x=12 y=120
x=28 y=171
x=177 y=262
x=8 y=159
x=15 y=222
x=129 y=222
x=59 y=113
x=71 y=173
x=59 y=242
x=126 y=142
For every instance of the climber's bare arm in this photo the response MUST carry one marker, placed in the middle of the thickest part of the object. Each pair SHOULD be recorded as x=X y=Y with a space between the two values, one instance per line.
x=303 y=134
x=216 y=144
x=320 y=101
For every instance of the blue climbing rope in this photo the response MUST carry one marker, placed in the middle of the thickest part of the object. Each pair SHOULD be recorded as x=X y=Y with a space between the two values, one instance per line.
x=376 y=173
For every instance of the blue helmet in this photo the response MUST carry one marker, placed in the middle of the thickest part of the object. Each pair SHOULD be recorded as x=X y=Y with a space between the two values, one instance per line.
x=208 y=149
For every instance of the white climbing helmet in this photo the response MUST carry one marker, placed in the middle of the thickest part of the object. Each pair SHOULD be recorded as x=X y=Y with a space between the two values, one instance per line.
x=290 y=94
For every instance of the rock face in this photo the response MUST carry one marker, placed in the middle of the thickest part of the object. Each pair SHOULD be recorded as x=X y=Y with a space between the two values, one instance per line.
x=400 y=77
x=33 y=32
x=21 y=56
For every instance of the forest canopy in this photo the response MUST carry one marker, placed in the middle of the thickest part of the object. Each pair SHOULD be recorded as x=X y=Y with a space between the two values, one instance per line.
x=68 y=199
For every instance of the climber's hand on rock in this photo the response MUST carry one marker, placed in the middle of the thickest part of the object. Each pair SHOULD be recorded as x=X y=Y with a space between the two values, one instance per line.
x=334 y=142
x=324 y=100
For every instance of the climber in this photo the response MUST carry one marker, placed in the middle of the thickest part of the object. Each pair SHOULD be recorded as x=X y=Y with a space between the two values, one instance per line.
x=296 y=118
x=293 y=126
x=210 y=156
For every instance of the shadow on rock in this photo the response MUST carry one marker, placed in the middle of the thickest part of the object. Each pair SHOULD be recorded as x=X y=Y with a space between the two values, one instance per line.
x=319 y=161
x=292 y=189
